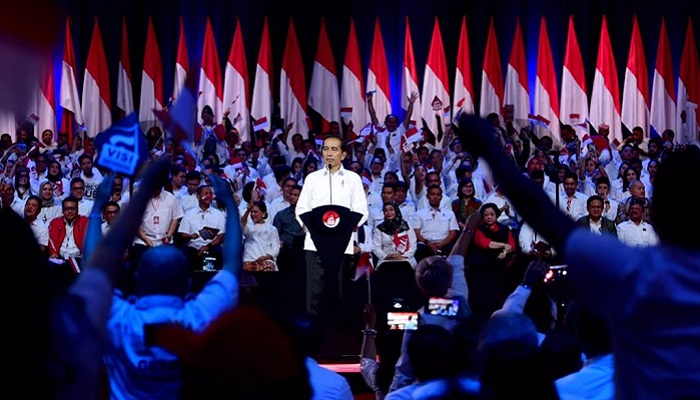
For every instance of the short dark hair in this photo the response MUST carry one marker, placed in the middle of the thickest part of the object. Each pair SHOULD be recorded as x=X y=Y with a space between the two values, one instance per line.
x=594 y=198
x=84 y=156
x=77 y=179
x=192 y=175
x=34 y=197
x=602 y=179
x=343 y=145
x=111 y=203
x=69 y=199
x=434 y=276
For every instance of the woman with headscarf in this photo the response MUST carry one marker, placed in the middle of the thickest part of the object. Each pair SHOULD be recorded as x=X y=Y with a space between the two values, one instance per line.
x=50 y=207
x=395 y=244
x=395 y=240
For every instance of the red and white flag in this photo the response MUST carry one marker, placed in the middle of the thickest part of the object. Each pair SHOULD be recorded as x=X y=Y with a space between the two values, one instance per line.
x=517 y=88
x=663 y=103
x=293 y=87
x=409 y=75
x=605 y=98
x=69 y=99
x=182 y=65
x=151 y=81
x=491 y=77
x=378 y=76
x=261 y=124
x=364 y=266
x=125 y=95
x=464 y=89
x=352 y=91
x=236 y=85
x=96 y=97
x=574 y=98
x=635 y=93
x=323 y=92
x=211 y=90
x=45 y=107
x=689 y=88
x=413 y=135
x=546 y=94
x=436 y=86
x=261 y=106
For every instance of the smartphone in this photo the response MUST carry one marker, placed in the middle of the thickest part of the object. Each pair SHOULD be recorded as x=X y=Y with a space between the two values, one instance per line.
x=555 y=272
x=443 y=306
x=402 y=320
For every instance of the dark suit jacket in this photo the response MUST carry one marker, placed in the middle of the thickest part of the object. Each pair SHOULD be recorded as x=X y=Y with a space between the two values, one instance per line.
x=607 y=226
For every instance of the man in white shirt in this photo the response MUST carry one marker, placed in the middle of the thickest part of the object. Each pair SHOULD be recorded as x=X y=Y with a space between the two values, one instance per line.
x=636 y=232
x=91 y=176
x=436 y=227
x=281 y=202
x=77 y=190
x=574 y=202
x=158 y=224
x=188 y=198
x=202 y=229
x=332 y=185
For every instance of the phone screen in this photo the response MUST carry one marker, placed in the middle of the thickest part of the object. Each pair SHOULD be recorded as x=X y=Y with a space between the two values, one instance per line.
x=402 y=320
x=444 y=306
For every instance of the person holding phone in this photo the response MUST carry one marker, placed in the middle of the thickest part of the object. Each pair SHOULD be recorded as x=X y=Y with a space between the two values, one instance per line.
x=649 y=296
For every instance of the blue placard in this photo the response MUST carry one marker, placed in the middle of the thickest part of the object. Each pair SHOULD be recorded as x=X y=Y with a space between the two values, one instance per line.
x=122 y=147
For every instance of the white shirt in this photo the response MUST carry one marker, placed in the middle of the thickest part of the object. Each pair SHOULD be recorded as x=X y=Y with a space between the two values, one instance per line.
x=436 y=224
x=260 y=239
x=637 y=235
x=384 y=245
x=46 y=214
x=574 y=207
x=92 y=183
x=595 y=381
x=276 y=205
x=40 y=229
x=195 y=220
x=85 y=206
x=160 y=212
x=188 y=201
x=343 y=188
x=69 y=248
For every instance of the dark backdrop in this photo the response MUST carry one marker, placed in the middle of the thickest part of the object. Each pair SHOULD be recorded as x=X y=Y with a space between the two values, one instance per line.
x=392 y=14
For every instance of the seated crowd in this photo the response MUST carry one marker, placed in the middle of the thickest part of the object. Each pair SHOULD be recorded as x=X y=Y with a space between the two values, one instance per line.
x=440 y=225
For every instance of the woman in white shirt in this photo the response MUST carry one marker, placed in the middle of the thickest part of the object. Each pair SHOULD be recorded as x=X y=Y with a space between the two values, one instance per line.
x=261 y=244
x=395 y=244
x=394 y=239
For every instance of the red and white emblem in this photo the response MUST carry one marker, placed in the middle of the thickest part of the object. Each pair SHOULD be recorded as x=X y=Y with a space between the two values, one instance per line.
x=331 y=219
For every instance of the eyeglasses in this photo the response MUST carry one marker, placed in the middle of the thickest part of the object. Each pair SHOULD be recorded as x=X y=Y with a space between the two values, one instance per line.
x=78 y=188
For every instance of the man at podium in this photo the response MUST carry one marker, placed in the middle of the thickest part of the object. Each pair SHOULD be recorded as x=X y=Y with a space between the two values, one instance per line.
x=331 y=205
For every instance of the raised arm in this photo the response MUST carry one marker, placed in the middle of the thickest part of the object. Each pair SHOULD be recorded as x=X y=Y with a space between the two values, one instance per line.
x=107 y=254
x=371 y=110
x=233 y=244
x=409 y=111
x=529 y=199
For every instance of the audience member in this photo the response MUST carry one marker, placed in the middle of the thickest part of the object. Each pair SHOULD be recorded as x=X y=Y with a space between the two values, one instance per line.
x=652 y=357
